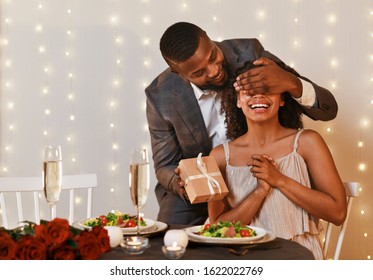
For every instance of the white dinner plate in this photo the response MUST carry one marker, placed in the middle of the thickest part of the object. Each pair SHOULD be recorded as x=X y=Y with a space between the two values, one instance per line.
x=128 y=230
x=155 y=229
x=260 y=234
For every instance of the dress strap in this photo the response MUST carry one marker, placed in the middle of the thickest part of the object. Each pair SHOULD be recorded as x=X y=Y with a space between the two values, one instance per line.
x=226 y=151
x=296 y=139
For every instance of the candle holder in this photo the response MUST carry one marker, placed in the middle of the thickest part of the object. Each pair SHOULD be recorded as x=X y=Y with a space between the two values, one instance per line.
x=173 y=252
x=135 y=245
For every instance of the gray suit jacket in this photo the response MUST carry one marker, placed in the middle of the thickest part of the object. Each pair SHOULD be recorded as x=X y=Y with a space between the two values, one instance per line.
x=178 y=131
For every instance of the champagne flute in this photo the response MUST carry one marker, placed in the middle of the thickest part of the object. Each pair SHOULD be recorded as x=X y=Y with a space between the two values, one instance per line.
x=139 y=180
x=52 y=176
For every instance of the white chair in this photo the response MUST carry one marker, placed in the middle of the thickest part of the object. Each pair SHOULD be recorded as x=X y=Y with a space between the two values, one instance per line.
x=352 y=190
x=34 y=185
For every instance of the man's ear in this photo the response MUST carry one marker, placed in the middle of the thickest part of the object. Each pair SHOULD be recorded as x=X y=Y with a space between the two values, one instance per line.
x=282 y=100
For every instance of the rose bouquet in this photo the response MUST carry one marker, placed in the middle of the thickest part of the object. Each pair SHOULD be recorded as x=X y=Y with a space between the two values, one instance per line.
x=54 y=240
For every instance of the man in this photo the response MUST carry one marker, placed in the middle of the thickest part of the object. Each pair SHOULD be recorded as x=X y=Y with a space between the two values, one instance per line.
x=183 y=105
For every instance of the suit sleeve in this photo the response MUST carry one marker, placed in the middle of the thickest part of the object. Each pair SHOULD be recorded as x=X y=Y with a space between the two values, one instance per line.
x=166 y=152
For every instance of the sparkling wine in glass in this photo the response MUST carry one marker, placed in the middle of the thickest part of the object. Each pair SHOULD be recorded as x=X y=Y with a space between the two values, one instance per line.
x=139 y=180
x=52 y=176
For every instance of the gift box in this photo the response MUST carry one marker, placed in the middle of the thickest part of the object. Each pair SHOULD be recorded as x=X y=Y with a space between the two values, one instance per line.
x=203 y=180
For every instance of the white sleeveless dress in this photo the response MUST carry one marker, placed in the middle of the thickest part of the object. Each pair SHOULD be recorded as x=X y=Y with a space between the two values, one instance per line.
x=278 y=214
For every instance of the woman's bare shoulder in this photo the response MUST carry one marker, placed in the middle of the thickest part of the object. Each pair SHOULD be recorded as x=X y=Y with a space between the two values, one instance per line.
x=310 y=135
x=219 y=155
x=310 y=140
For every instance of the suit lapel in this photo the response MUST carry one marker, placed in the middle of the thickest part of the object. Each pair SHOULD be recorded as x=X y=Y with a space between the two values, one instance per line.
x=186 y=105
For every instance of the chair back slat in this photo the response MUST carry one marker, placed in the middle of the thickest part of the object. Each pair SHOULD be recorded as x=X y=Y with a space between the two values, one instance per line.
x=37 y=206
x=342 y=231
x=4 y=212
x=19 y=206
x=328 y=232
x=352 y=191
x=72 y=208
x=20 y=185
x=89 y=202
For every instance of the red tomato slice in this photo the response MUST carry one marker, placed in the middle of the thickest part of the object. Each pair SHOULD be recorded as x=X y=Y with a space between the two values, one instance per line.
x=207 y=226
x=130 y=223
x=103 y=221
x=244 y=233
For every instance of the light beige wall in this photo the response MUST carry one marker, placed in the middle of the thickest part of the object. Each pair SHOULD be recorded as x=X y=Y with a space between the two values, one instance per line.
x=111 y=50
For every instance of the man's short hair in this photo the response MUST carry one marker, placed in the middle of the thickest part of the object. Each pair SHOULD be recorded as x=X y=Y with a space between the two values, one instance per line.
x=180 y=41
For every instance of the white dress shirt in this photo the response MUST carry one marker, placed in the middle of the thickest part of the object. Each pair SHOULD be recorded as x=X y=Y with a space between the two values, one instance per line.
x=209 y=102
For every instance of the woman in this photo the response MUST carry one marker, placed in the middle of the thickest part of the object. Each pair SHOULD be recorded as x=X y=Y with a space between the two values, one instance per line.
x=280 y=176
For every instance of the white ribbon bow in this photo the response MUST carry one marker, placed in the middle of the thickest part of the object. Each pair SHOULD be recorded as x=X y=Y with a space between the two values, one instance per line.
x=212 y=183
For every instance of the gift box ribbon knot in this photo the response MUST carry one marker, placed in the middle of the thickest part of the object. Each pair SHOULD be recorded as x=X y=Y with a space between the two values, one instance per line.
x=212 y=183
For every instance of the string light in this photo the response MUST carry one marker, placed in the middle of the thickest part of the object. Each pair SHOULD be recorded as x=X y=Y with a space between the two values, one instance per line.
x=78 y=200
x=38 y=28
x=10 y=105
x=332 y=19
x=46 y=91
x=146 y=20
x=362 y=167
x=261 y=14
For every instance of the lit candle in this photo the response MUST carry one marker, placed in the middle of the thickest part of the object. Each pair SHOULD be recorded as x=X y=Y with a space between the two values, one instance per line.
x=173 y=252
x=174 y=247
x=134 y=241
x=135 y=245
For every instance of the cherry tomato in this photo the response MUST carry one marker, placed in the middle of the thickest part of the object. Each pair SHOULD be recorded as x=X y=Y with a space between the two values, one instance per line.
x=206 y=227
x=130 y=223
x=244 y=233
x=101 y=217
x=103 y=221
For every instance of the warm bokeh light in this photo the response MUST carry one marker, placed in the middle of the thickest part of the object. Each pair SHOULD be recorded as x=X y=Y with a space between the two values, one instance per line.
x=74 y=77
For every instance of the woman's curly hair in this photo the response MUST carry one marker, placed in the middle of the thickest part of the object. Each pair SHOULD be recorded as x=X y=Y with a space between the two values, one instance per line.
x=289 y=115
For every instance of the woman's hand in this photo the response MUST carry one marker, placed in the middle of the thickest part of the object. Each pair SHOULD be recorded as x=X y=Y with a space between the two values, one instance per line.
x=265 y=168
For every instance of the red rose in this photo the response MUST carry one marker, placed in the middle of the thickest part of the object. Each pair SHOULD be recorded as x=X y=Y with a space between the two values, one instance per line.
x=31 y=248
x=8 y=247
x=55 y=232
x=88 y=245
x=103 y=238
x=61 y=252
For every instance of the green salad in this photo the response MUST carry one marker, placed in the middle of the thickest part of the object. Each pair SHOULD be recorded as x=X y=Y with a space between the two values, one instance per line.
x=115 y=218
x=226 y=229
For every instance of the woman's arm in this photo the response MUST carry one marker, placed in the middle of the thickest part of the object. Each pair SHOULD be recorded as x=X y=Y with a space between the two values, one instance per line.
x=327 y=198
x=219 y=210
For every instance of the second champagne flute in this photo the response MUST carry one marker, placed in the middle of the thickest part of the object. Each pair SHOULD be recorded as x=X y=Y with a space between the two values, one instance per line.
x=52 y=176
x=139 y=181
